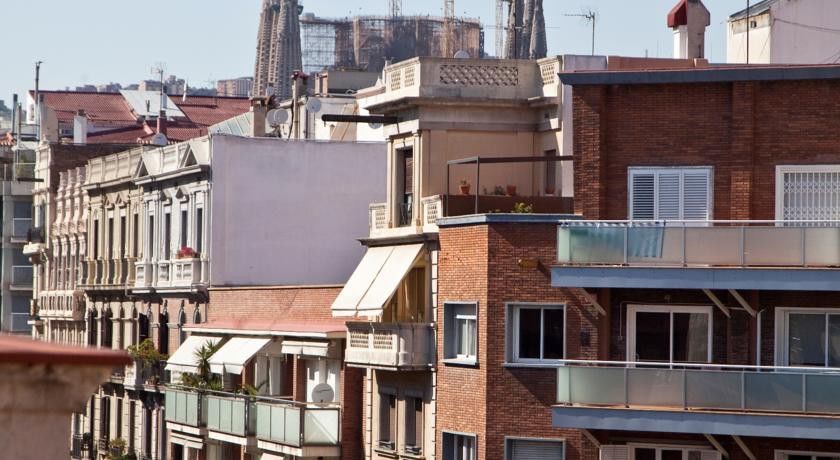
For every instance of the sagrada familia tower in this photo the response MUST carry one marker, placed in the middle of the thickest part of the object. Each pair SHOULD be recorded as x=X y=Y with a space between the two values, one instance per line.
x=526 y=37
x=278 y=47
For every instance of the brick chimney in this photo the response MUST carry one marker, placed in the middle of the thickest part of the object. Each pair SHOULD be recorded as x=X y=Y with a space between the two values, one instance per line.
x=80 y=128
x=689 y=19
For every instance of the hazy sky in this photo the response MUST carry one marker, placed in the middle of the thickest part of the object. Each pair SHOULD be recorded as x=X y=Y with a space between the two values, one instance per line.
x=98 y=41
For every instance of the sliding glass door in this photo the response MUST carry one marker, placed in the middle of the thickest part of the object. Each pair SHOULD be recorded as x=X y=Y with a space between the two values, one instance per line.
x=669 y=333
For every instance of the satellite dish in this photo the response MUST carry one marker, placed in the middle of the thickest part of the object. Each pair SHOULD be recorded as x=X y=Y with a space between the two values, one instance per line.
x=374 y=125
x=462 y=54
x=160 y=140
x=323 y=393
x=313 y=105
x=276 y=117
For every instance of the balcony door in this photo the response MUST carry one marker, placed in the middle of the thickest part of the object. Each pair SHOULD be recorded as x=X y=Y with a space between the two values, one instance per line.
x=807 y=338
x=405 y=186
x=669 y=333
x=672 y=453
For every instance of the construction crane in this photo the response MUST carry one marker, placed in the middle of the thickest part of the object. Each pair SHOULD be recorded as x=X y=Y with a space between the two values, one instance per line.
x=395 y=8
x=500 y=27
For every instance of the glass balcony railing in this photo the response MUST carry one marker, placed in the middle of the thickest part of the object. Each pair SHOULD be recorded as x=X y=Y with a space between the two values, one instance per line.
x=700 y=387
x=231 y=414
x=185 y=407
x=700 y=243
x=298 y=425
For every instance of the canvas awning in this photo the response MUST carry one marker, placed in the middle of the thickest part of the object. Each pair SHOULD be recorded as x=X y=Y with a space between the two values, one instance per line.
x=375 y=280
x=307 y=348
x=184 y=360
x=233 y=355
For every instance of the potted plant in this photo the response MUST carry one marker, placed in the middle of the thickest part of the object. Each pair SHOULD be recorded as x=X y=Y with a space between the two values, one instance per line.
x=464 y=187
x=549 y=190
x=148 y=356
x=522 y=208
x=511 y=190
x=498 y=190
x=186 y=252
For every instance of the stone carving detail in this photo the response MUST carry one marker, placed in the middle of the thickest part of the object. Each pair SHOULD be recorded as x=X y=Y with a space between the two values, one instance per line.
x=479 y=75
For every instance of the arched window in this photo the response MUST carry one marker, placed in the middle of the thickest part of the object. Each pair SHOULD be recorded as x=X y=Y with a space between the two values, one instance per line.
x=142 y=327
x=107 y=329
x=182 y=321
x=93 y=328
x=163 y=330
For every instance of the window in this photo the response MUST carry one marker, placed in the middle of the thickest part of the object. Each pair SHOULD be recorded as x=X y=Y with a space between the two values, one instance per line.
x=167 y=235
x=808 y=192
x=110 y=243
x=460 y=332
x=536 y=332
x=199 y=230
x=387 y=420
x=406 y=191
x=670 y=193
x=22 y=210
x=788 y=455
x=670 y=453
x=808 y=337
x=96 y=239
x=414 y=425
x=123 y=240
x=135 y=235
x=457 y=446
x=184 y=227
x=550 y=172
x=20 y=313
x=534 y=449
x=669 y=333
x=150 y=233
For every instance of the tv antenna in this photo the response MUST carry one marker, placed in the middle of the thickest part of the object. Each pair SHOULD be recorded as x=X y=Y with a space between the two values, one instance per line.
x=589 y=16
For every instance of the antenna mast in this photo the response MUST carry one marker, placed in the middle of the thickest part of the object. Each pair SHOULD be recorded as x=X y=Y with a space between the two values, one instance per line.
x=590 y=16
x=395 y=8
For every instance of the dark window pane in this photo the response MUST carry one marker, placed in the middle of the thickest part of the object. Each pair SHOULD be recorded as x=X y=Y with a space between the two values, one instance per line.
x=529 y=333
x=552 y=334
x=23 y=210
x=645 y=454
x=672 y=455
x=691 y=337
x=806 y=339
x=20 y=304
x=652 y=336
x=798 y=457
x=19 y=259
x=833 y=341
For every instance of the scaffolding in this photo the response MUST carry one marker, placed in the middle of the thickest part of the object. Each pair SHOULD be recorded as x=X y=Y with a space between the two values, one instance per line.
x=367 y=42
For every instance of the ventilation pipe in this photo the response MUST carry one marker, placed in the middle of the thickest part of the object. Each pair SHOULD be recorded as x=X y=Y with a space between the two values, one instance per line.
x=689 y=19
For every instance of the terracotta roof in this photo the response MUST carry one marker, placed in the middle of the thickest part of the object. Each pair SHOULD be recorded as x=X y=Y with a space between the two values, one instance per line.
x=324 y=327
x=678 y=16
x=128 y=134
x=205 y=111
x=22 y=350
x=104 y=108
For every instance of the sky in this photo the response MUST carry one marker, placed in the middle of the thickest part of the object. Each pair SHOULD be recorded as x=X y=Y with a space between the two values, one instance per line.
x=100 y=41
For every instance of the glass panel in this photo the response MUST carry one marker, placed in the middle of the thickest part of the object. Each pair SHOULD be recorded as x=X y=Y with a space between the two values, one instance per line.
x=321 y=427
x=713 y=245
x=655 y=244
x=238 y=417
x=691 y=337
x=471 y=337
x=833 y=340
x=596 y=385
x=292 y=426
x=601 y=244
x=822 y=246
x=773 y=391
x=773 y=246
x=822 y=394
x=672 y=454
x=263 y=421
x=713 y=389
x=644 y=454
x=655 y=387
x=653 y=336
x=191 y=416
x=695 y=455
x=529 y=333
x=806 y=339
x=553 y=333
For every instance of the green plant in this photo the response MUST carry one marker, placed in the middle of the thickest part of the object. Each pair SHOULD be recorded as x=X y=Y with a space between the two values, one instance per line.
x=522 y=208
x=498 y=190
x=116 y=449
x=203 y=379
x=145 y=351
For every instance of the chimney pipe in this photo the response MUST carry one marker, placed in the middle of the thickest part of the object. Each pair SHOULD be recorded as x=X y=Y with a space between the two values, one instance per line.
x=80 y=128
x=259 y=109
x=689 y=19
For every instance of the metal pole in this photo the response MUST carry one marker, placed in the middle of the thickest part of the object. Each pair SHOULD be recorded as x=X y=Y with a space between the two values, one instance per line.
x=477 y=180
x=37 y=95
x=593 y=32
x=446 y=193
x=748 y=32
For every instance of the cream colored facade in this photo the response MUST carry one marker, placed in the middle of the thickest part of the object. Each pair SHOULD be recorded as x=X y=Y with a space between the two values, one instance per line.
x=447 y=109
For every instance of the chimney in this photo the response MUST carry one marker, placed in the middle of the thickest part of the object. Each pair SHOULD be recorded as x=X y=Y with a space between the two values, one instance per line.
x=689 y=19
x=259 y=108
x=80 y=128
x=159 y=138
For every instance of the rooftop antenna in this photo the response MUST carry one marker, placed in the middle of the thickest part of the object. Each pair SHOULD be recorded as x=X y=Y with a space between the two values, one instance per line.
x=37 y=96
x=159 y=69
x=748 y=32
x=395 y=8
x=590 y=16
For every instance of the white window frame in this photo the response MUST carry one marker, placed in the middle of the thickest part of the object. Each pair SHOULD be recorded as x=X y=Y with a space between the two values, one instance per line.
x=511 y=439
x=632 y=309
x=513 y=317
x=656 y=171
x=783 y=331
x=452 y=338
x=631 y=449
x=781 y=170
x=455 y=447
x=782 y=454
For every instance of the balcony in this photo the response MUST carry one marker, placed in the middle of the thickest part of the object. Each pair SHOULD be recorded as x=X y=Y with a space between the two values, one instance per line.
x=746 y=400
x=21 y=277
x=21 y=227
x=186 y=408
x=396 y=346
x=143 y=275
x=231 y=414
x=298 y=429
x=698 y=254
x=138 y=374
x=186 y=272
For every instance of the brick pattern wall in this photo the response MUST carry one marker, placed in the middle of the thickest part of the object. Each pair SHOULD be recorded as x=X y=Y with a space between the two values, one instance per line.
x=276 y=303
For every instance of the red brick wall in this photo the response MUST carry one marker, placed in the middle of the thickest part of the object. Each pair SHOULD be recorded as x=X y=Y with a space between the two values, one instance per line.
x=274 y=303
x=742 y=129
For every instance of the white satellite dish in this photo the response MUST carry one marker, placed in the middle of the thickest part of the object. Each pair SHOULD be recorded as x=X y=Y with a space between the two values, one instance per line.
x=462 y=54
x=323 y=393
x=313 y=105
x=276 y=117
x=374 y=125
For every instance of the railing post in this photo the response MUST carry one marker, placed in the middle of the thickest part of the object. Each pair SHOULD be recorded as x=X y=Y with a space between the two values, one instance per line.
x=803 y=259
x=477 y=181
x=743 y=245
x=743 y=390
x=626 y=244
x=804 y=393
x=301 y=436
x=626 y=389
x=684 y=243
x=685 y=388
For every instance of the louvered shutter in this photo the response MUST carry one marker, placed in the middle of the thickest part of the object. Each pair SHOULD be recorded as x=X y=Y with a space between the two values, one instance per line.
x=614 y=453
x=696 y=185
x=536 y=450
x=668 y=195
x=642 y=196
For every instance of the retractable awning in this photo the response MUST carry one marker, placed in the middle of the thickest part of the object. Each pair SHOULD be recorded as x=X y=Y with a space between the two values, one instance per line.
x=184 y=360
x=318 y=348
x=233 y=355
x=375 y=280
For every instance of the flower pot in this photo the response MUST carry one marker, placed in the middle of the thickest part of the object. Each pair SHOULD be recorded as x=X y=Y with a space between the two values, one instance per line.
x=511 y=190
x=465 y=189
x=549 y=191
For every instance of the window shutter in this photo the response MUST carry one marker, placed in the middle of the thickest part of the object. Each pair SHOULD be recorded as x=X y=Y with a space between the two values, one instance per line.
x=614 y=453
x=668 y=199
x=536 y=450
x=811 y=195
x=696 y=195
x=642 y=196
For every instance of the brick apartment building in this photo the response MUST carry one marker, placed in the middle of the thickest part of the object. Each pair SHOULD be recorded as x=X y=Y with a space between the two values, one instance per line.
x=687 y=310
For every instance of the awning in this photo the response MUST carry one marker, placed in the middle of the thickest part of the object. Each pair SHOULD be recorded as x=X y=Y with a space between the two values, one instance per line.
x=183 y=360
x=307 y=348
x=233 y=355
x=186 y=441
x=375 y=280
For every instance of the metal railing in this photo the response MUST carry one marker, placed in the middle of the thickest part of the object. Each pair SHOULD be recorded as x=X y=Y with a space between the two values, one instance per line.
x=406 y=214
x=185 y=407
x=691 y=386
x=298 y=424
x=378 y=217
x=231 y=414
x=397 y=345
x=723 y=243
